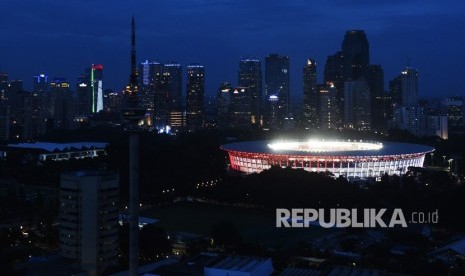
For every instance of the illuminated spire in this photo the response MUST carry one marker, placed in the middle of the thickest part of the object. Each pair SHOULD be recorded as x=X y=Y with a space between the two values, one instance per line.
x=133 y=78
x=132 y=112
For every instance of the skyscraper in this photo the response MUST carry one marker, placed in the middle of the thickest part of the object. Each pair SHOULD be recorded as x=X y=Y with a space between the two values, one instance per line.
x=95 y=83
x=223 y=102
x=349 y=64
x=150 y=73
x=357 y=105
x=3 y=89
x=356 y=54
x=195 y=96
x=173 y=75
x=240 y=109
x=41 y=90
x=379 y=103
x=395 y=89
x=250 y=76
x=4 y=108
x=327 y=106
x=409 y=79
x=310 y=95
x=172 y=72
x=161 y=88
x=334 y=68
x=83 y=96
x=276 y=84
x=61 y=103
x=41 y=83
x=89 y=219
x=334 y=73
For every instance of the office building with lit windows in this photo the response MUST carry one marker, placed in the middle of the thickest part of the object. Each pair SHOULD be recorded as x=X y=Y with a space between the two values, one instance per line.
x=328 y=106
x=195 y=110
x=250 y=76
x=89 y=219
x=310 y=95
x=276 y=84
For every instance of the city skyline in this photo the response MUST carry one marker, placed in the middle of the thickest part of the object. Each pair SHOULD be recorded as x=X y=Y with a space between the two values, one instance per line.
x=399 y=34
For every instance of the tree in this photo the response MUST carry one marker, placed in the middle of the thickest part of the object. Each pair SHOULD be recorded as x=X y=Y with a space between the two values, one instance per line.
x=225 y=234
x=153 y=241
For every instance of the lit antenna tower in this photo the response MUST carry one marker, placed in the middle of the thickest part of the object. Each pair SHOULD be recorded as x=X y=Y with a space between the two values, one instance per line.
x=133 y=114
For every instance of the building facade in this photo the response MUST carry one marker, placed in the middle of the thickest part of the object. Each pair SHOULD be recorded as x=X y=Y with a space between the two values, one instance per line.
x=195 y=110
x=250 y=76
x=89 y=219
x=276 y=84
x=310 y=95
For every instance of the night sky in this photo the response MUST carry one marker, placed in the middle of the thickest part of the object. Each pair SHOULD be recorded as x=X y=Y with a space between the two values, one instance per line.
x=62 y=38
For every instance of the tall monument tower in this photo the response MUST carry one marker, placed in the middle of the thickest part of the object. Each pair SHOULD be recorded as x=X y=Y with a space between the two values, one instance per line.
x=133 y=114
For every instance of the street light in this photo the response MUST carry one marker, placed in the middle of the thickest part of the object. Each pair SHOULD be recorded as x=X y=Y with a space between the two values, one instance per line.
x=432 y=159
x=450 y=164
x=444 y=160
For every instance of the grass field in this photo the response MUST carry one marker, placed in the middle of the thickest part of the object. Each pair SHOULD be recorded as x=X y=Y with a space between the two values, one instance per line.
x=252 y=224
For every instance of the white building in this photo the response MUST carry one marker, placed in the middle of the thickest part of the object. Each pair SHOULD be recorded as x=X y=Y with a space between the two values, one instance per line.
x=89 y=219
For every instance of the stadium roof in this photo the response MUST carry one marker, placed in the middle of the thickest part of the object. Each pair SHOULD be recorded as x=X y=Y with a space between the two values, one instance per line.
x=388 y=148
x=54 y=147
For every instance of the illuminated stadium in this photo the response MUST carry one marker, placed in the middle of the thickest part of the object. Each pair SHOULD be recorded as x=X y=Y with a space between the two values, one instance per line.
x=351 y=159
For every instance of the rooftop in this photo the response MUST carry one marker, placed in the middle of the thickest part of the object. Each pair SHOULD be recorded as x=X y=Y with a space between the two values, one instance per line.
x=53 y=147
x=239 y=263
x=327 y=148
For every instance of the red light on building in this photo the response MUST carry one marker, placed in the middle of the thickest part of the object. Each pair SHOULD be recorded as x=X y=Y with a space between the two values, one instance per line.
x=97 y=66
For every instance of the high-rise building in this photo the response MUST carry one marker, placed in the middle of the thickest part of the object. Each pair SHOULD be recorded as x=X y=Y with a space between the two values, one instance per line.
x=437 y=126
x=172 y=72
x=273 y=114
x=453 y=108
x=150 y=73
x=379 y=102
x=33 y=125
x=89 y=219
x=310 y=95
x=112 y=101
x=276 y=84
x=240 y=109
x=95 y=85
x=355 y=48
x=41 y=90
x=61 y=104
x=161 y=88
x=15 y=97
x=327 y=106
x=334 y=68
x=161 y=103
x=349 y=64
x=409 y=79
x=411 y=118
x=334 y=73
x=4 y=108
x=83 y=96
x=173 y=75
x=5 y=123
x=3 y=90
x=250 y=76
x=41 y=83
x=223 y=102
x=395 y=90
x=357 y=105
x=195 y=110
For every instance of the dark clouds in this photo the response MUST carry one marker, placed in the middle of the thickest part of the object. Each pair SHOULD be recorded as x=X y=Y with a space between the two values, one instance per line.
x=64 y=37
